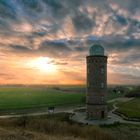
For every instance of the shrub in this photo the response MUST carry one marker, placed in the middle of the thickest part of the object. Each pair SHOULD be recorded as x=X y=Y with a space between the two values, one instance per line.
x=134 y=93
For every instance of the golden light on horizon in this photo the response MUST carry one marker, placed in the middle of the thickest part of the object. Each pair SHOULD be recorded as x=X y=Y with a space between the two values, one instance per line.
x=43 y=64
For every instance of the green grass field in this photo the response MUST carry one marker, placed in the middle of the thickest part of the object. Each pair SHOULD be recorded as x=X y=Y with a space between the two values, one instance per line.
x=130 y=108
x=31 y=97
x=36 y=97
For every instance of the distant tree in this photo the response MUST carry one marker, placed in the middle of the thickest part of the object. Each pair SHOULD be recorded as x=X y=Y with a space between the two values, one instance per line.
x=56 y=88
x=134 y=93
x=114 y=90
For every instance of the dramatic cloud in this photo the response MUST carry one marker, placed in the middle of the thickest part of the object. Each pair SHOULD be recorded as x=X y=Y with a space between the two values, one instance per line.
x=62 y=31
x=82 y=22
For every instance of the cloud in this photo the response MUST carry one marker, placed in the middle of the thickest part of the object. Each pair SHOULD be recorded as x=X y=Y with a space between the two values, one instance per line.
x=33 y=4
x=126 y=59
x=121 y=20
x=82 y=22
x=64 y=30
x=120 y=43
x=55 y=48
x=6 y=10
x=123 y=79
x=60 y=63
x=19 y=48
x=56 y=7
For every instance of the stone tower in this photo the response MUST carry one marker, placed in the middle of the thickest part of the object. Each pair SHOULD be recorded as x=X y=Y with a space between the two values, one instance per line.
x=96 y=83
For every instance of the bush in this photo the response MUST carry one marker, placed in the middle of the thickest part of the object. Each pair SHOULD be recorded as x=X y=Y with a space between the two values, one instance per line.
x=134 y=93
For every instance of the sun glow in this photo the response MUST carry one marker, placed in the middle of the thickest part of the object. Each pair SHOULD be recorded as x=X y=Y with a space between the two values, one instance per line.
x=44 y=64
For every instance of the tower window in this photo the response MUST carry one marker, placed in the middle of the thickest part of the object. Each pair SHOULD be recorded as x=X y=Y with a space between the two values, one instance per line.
x=102 y=70
x=87 y=83
x=102 y=99
x=87 y=70
x=102 y=85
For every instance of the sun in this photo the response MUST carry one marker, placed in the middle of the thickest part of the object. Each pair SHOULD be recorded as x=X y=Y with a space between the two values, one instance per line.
x=43 y=64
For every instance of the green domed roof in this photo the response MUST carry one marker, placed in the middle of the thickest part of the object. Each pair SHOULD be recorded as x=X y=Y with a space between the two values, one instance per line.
x=96 y=49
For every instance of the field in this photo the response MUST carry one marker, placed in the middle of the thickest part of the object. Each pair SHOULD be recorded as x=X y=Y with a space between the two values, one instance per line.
x=130 y=108
x=58 y=126
x=38 y=97
x=31 y=97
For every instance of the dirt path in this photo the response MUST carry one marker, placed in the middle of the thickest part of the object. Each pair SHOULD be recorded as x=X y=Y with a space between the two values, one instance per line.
x=68 y=109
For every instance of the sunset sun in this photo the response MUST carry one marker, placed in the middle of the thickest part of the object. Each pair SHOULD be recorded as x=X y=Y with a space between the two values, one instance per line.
x=44 y=64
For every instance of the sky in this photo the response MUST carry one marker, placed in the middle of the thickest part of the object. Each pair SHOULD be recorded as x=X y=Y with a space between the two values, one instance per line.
x=47 y=41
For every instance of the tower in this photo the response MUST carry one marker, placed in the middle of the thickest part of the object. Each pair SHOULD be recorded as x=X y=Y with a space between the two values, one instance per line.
x=96 y=106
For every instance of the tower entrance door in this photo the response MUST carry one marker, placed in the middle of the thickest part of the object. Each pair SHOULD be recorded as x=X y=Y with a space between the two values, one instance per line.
x=102 y=114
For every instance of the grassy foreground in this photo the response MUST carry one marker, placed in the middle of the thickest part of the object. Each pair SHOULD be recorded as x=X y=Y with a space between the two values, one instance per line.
x=53 y=127
x=59 y=127
x=131 y=108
